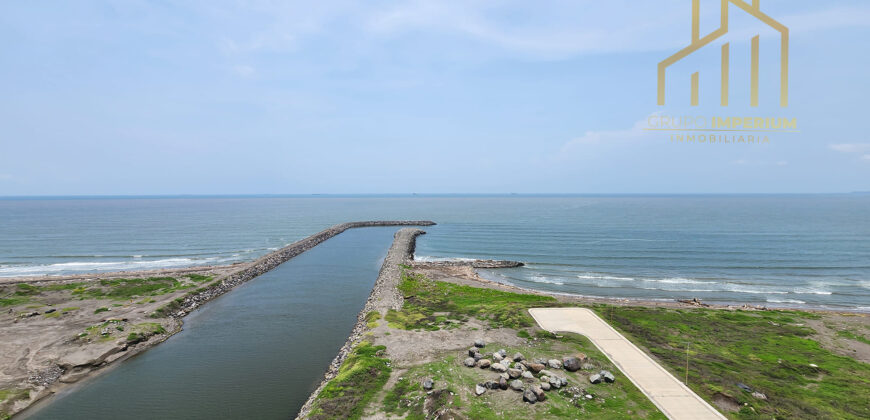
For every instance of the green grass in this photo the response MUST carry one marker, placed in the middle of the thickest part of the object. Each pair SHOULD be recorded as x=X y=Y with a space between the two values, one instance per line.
x=853 y=336
x=404 y=399
x=771 y=351
x=424 y=298
x=14 y=300
x=103 y=309
x=361 y=376
x=199 y=278
x=372 y=319
x=70 y=309
x=8 y=396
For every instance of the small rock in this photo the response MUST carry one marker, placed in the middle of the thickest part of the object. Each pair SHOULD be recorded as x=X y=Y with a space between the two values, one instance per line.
x=50 y=310
x=516 y=385
x=514 y=373
x=555 y=382
x=477 y=356
x=759 y=395
x=744 y=387
x=502 y=383
x=484 y=363
x=502 y=353
x=554 y=364
x=497 y=357
x=539 y=392
x=546 y=373
x=571 y=364
x=535 y=367
x=504 y=375
x=518 y=357
x=479 y=389
x=545 y=386
x=544 y=378
x=588 y=366
x=472 y=351
x=498 y=367
x=540 y=360
x=428 y=384
x=529 y=396
x=479 y=343
x=469 y=362
x=528 y=375
x=491 y=385
x=595 y=378
x=589 y=397
x=812 y=365
x=520 y=365
x=582 y=357
x=607 y=376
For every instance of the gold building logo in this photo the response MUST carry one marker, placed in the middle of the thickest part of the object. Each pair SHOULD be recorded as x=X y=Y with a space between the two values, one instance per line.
x=698 y=42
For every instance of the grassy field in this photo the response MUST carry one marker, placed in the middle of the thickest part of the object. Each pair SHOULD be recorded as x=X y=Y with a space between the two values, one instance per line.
x=771 y=352
x=362 y=374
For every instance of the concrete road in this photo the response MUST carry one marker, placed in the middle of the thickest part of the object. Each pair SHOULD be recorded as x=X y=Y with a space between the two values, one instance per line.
x=670 y=395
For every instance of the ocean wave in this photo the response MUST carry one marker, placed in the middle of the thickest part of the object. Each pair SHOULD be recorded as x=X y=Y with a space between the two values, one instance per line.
x=544 y=279
x=595 y=276
x=425 y=258
x=806 y=291
x=771 y=300
x=88 y=266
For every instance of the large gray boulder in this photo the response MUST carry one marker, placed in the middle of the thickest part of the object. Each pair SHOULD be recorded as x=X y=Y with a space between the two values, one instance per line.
x=498 y=367
x=516 y=385
x=528 y=375
x=473 y=351
x=514 y=373
x=571 y=364
x=469 y=362
x=554 y=364
x=518 y=357
x=529 y=396
x=595 y=378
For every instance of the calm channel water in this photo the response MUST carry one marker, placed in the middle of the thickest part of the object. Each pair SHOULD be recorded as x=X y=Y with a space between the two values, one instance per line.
x=256 y=352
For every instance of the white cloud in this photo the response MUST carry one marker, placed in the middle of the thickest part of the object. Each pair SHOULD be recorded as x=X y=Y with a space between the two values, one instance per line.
x=850 y=147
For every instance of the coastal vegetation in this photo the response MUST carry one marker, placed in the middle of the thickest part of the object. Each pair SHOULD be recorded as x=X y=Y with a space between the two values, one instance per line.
x=432 y=305
x=8 y=396
x=751 y=364
x=362 y=375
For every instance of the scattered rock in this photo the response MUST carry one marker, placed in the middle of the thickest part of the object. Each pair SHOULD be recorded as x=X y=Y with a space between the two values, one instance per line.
x=555 y=382
x=528 y=375
x=498 y=367
x=544 y=378
x=428 y=384
x=759 y=395
x=473 y=351
x=744 y=387
x=514 y=373
x=545 y=386
x=50 y=310
x=502 y=383
x=571 y=364
x=469 y=362
x=484 y=363
x=607 y=376
x=554 y=364
x=497 y=357
x=504 y=375
x=518 y=357
x=516 y=385
x=529 y=396
x=588 y=366
x=535 y=367
x=502 y=353
x=477 y=356
x=595 y=378
x=589 y=397
x=539 y=392
x=520 y=365
x=479 y=389
x=479 y=343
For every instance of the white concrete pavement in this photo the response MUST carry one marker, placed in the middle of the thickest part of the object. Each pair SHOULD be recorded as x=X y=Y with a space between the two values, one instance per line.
x=670 y=395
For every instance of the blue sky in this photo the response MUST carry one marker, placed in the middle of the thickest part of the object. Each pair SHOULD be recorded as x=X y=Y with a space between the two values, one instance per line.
x=219 y=97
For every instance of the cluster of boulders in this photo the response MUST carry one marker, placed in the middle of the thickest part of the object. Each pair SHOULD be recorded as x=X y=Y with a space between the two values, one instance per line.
x=531 y=377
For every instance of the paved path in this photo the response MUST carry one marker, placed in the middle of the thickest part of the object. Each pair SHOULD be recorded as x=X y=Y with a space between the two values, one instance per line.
x=671 y=396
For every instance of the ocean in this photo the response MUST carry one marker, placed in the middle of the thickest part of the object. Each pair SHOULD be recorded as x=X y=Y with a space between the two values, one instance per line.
x=776 y=250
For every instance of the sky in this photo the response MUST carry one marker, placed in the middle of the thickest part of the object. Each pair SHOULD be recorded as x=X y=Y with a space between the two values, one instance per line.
x=289 y=97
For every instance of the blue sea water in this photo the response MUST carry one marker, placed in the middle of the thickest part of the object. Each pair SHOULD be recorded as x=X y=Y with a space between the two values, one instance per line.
x=793 y=250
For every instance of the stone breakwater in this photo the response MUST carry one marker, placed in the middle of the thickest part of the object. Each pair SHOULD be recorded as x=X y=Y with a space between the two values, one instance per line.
x=472 y=264
x=385 y=295
x=269 y=261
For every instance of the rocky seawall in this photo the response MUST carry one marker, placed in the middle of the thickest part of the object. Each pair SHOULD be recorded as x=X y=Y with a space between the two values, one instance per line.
x=269 y=261
x=384 y=296
x=464 y=263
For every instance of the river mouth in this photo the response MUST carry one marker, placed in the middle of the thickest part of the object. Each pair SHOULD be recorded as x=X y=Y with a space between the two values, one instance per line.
x=256 y=352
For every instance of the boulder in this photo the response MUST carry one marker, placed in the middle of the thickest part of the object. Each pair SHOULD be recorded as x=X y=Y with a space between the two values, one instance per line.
x=555 y=382
x=544 y=378
x=535 y=367
x=529 y=396
x=514 y=373
x=518 y=357
x=491 y=384
x=472 y=351
x=520 y=365
x=564 y=380
x=595 y=378
x=546 y=373
x=483 y=363
x=502 y=383
x=504 y=375
x=479 y=343
x=545 y=386
x=607 y=376
x=497 y=357
x=554 y=364
x=539 y=392
x=528 y=375
x=582 y=357
x=516 y=385
x=502 y=353
x=469 y=362
x=477 y=356
x=498 y=367
x=428 y=384
x=479 y=389
x=571 y=364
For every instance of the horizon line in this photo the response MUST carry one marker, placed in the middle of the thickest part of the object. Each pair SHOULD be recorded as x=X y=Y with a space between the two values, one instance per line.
x=410 y=195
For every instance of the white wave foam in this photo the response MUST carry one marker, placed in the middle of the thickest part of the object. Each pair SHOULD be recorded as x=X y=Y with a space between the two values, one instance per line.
x=785 y=301
x=85 y=266
x=543 y=279
x=595 y=276
x=425 y=258
x=806 y=291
